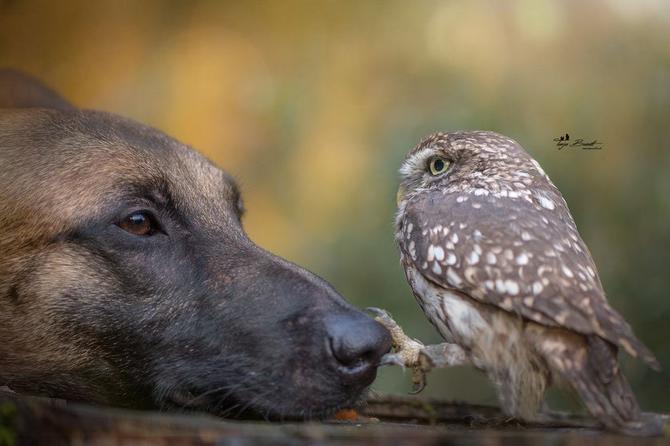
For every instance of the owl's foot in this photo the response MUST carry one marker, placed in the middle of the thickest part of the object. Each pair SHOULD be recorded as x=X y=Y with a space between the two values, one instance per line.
x=413 y=354
x=408 y=352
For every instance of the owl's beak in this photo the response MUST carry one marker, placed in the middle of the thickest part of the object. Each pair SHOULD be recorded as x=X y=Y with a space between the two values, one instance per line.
x=400 y=196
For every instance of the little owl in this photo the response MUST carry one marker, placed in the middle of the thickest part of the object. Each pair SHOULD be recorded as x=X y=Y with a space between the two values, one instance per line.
x=495 y=261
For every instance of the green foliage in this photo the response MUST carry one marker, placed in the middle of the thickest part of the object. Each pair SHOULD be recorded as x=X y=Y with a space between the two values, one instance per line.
x=8 y=414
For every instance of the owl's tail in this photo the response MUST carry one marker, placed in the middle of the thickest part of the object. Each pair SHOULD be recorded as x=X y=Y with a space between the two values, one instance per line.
x=591 y=368
x=614 y=328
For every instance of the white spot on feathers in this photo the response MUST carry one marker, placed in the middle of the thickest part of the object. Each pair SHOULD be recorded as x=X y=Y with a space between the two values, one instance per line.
x=512 y=287
x=430 y=255
x=451 y=259
x=453 y=277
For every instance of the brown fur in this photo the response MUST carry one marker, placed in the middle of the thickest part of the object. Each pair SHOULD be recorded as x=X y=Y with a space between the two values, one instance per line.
x=197 y=315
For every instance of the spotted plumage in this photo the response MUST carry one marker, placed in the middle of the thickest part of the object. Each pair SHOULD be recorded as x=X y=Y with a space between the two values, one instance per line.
x=494 y=258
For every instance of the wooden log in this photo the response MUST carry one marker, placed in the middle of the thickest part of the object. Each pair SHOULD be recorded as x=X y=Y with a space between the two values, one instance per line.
x=405 y=421
x=432 y=411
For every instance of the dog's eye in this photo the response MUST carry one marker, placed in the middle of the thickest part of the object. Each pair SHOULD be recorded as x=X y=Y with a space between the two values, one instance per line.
x=140 y=223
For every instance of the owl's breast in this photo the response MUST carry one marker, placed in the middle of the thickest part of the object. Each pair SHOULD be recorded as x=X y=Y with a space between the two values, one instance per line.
x=457 y=318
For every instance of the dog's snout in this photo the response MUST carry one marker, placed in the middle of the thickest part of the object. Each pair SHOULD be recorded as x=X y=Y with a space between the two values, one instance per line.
x=357 y=342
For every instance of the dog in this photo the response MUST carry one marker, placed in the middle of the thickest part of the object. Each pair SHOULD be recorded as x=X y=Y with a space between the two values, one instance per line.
x=126 y=277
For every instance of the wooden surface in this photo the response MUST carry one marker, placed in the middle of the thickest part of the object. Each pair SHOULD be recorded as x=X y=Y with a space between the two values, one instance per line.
x=404 y=421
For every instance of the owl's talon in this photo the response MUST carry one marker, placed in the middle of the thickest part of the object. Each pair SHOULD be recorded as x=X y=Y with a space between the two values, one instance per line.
x=377 y=312
x=418 y=380
x=418 y=388
x=384 y=318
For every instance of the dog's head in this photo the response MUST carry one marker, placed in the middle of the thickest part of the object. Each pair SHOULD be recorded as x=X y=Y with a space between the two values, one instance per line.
x=126 y=278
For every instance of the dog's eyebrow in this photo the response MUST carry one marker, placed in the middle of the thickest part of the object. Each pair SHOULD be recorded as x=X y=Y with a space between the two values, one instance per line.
x=160 y=196
x=156 y=193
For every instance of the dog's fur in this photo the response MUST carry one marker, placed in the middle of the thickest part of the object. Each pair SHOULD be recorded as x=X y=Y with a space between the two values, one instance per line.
x=195 y=315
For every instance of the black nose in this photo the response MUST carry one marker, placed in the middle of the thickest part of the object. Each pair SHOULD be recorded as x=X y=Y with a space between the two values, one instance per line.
x=357 y=342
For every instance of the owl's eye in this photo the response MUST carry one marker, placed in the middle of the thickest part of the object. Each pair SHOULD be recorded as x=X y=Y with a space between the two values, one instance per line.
x=438 y=166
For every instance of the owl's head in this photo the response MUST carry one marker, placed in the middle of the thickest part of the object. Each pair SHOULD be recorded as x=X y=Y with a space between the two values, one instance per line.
x=465 y=161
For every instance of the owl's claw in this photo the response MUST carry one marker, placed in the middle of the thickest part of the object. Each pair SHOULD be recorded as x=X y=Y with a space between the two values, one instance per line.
x=418 y=388
x=376 y=312
x=383 y=317
x=418 y=380
x=407 y=351
x=418 y=370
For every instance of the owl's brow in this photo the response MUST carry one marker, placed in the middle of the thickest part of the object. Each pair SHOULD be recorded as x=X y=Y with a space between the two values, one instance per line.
x=417 y=161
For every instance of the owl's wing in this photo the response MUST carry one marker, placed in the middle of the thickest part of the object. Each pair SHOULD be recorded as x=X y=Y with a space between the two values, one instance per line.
x=521 y=253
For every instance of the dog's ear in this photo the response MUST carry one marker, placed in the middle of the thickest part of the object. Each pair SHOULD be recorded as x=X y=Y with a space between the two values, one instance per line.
x=20 y=90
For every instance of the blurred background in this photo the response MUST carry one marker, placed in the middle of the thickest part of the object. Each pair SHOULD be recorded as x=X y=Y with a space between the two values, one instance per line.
x=312 y=105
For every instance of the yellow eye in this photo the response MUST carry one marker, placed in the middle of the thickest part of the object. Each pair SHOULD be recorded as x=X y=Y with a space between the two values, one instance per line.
x=438 y=166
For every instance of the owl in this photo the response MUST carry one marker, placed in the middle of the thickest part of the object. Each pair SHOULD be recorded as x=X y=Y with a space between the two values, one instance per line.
x=495 y=261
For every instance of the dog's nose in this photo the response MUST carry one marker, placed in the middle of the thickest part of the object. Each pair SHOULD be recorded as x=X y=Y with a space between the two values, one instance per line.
x=357 y=342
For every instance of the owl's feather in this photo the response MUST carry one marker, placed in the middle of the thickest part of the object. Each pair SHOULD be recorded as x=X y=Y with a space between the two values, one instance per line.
x=501 y=252
x=590 y=367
